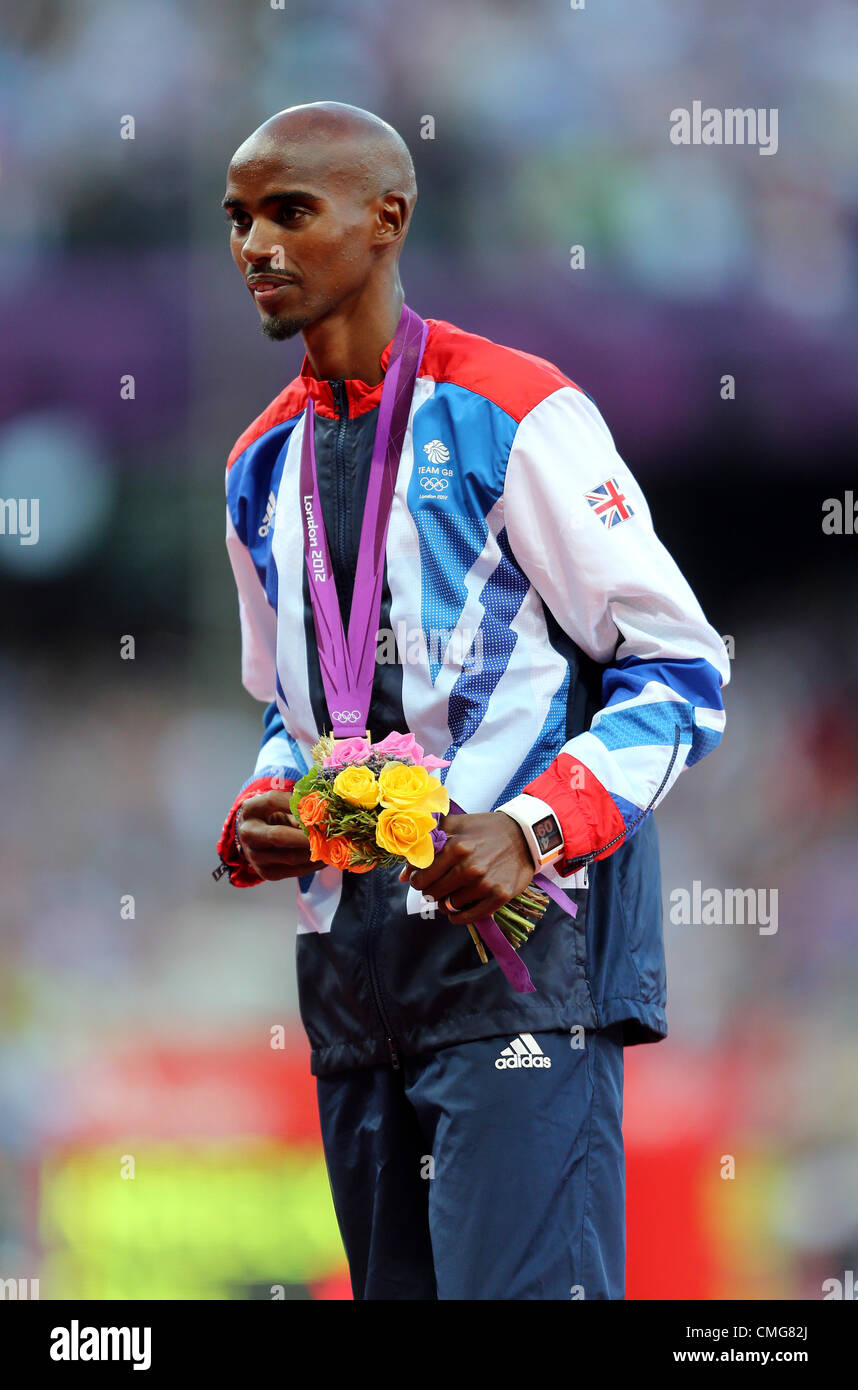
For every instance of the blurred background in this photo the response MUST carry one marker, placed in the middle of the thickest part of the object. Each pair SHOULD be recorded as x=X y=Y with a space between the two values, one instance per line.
x=137 y=996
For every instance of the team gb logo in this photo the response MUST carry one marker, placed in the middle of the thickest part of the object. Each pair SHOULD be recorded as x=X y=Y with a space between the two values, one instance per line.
x=436 y=452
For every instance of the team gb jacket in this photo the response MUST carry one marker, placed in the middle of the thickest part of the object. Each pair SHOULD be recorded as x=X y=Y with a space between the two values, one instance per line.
x=534 y=631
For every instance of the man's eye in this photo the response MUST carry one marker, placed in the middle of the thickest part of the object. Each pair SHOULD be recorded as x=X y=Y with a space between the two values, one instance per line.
x=289 y=214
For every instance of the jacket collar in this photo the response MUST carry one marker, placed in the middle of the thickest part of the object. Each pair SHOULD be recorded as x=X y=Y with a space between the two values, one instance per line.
x=360 y=396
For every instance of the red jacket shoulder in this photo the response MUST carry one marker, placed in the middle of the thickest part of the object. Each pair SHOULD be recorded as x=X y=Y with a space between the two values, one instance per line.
x=514 y=380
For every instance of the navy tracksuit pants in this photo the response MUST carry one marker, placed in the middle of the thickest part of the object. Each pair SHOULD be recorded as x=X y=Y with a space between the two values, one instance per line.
x=477 y=1171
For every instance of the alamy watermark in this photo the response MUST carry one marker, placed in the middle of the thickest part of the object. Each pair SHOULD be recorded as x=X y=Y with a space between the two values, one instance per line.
x=709 y=125
x=76 y=1343
x=19 y=1289
x=844 y=1289
x=840 y=516
x=19 y=516
x=715 y=907
x=415 y=646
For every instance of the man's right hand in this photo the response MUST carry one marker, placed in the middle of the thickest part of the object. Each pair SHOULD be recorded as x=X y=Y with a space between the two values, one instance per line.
x=270 y=839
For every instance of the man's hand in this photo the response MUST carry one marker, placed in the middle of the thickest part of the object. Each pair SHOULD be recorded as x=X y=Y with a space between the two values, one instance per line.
x=484 y=863
x=270 y=839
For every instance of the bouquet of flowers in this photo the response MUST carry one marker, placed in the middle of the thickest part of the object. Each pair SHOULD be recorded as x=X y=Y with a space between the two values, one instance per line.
x=365 y=804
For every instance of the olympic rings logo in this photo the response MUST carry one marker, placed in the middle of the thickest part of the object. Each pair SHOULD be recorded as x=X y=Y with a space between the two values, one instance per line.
x=346 y=716
x=434 y=484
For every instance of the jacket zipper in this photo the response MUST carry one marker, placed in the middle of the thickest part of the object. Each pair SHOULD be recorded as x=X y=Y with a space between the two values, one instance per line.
x=341 y=403
x=376 y=988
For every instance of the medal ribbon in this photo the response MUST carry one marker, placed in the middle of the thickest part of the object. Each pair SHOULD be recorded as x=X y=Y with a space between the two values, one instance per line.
x=348 y=666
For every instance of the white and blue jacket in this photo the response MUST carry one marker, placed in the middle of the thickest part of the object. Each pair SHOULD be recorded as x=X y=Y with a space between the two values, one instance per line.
x=534 y=631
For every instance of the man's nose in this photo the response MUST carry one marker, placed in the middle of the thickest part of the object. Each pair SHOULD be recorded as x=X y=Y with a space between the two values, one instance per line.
x=258 y=246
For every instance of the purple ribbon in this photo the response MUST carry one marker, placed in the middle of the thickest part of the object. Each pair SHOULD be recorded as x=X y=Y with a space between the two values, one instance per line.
x=348 y=667
x=507 y=957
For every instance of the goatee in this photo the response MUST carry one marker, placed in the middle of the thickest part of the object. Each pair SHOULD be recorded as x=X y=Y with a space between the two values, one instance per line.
x=281 y=328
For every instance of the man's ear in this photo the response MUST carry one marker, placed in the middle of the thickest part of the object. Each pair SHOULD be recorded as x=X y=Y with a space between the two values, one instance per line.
x=393 y=217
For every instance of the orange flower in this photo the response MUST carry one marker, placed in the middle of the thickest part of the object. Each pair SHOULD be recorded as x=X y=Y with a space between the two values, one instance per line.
x=318 y=843
x=339 y=851
x=312 y=809
x=336 y=851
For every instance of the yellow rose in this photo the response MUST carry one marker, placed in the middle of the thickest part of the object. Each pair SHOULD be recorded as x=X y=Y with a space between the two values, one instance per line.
x=358 y=785
x=407 y=788
x=408 y=833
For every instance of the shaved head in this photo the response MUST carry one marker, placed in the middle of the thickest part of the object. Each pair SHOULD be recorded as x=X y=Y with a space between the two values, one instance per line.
x=320 y=199
x=343 y=143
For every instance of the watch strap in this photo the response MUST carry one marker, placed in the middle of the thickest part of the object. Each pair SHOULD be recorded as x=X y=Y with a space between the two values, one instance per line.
x=529 y=811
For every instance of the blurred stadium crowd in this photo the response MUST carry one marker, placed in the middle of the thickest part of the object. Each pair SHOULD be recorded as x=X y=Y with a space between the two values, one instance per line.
x=149 y=1034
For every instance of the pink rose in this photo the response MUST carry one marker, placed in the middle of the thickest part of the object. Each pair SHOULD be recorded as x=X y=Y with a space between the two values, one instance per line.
x=430 y=762
x=405 y=746
x=346 y=751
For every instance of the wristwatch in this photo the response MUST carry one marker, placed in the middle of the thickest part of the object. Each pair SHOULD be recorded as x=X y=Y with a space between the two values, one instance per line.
x=540 y=826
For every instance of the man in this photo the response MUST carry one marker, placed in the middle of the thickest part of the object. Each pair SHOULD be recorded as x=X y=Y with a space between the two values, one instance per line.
x=564 y=669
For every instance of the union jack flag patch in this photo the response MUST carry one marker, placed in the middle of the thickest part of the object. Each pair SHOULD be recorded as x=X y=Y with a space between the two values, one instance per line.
x=609 y=503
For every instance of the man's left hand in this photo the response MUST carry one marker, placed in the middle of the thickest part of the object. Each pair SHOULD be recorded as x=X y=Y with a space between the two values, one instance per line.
x=484 y=863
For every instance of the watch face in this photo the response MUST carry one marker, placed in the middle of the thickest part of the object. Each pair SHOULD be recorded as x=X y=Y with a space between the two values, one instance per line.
x=548 y=834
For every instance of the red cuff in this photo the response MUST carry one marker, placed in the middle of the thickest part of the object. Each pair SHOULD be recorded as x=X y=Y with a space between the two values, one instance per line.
x=588 y=815
x=240 y=873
